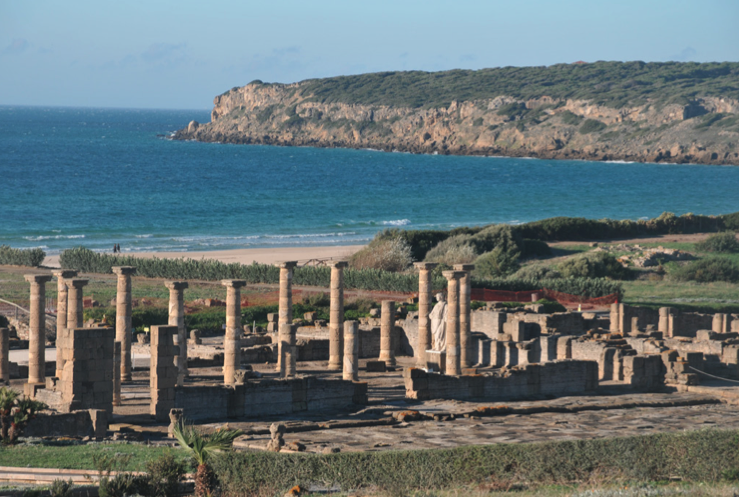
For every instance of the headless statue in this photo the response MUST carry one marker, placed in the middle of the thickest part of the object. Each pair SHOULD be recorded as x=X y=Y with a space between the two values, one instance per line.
x=438 y=323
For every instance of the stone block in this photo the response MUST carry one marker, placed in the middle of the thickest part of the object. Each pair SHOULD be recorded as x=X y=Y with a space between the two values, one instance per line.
x=376 y=367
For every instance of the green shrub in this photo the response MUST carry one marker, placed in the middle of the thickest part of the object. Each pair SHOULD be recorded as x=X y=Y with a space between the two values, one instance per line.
x=164 y=475
x=587 y=287
x=124 y=485
x=454 y=250
x=534 y=248
x=591 y=126
x=597 y=264
x=21 y=257
x=570 y=118
x=61 y=488
x=730 y=221
x=708 y=270
x=392 y=255
x=725 y=242
x=536 y=272
x=497 y=263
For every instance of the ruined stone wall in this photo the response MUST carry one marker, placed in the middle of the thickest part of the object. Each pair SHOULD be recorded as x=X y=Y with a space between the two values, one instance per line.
x=84 y=423
x=257 y=398
x=567 y=377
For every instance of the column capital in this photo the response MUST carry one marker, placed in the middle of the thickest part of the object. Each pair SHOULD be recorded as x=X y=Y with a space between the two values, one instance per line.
x=177 y=285
x=123 y=270
x=464 y=267
x=77 y=282
x=453 y=275
x=37 y=278
x=64 y=274
x=337 y=264
x=286 y=264
x=233 y=283
x=425 y=266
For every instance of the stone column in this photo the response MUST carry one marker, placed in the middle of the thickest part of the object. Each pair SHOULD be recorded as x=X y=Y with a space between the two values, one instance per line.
x=116 y=374
x=465 y=320
x=61 y=314
x=177 y=318
x=37 y=331
x=285 y=313
x=387 y=330
x=335 y=335
x=4 y=356
x=424 y=309
x=663 y=324
x=288 y=366
x=453 y=363
x=123 y=317
x=351 y=351
x=74 y=302
x=232 y=340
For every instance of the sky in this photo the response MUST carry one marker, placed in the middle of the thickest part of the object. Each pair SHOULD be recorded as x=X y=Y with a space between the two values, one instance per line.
x=180 y=54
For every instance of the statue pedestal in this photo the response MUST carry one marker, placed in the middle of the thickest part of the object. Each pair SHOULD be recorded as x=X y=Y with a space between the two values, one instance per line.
x=436 y=361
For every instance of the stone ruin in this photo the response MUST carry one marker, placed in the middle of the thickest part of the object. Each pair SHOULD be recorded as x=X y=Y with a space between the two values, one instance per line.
x=490 y=354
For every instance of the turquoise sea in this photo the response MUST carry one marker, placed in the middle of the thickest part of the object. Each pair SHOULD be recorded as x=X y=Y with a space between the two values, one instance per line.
x=93 y=177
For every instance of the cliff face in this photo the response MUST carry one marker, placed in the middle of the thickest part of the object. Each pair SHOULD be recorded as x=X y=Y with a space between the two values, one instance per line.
x=706 y=131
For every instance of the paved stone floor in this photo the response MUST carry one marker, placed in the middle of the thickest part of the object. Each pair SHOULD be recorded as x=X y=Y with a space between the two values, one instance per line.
x=611 y=413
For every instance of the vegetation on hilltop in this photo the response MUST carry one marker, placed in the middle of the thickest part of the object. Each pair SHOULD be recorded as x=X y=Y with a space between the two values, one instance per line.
x=614 y=84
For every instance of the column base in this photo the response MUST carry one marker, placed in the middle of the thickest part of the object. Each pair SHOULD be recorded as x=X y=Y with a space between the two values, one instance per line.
x=334 y=366
x=30 y=389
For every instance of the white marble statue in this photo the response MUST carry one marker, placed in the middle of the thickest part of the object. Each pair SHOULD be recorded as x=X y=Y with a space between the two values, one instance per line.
x=438 y=323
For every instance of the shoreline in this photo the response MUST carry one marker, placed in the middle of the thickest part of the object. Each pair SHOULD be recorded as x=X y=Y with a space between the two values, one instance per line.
x=246 y=256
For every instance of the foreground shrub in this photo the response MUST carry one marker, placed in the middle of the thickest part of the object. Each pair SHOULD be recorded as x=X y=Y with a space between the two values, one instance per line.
x=703 y=455
x=164 y=475
x=497 y=263
x=454 y=250
x=392 y=254
x=593 y=265
x=21 y=257
x=708 y=270
x=725 y=242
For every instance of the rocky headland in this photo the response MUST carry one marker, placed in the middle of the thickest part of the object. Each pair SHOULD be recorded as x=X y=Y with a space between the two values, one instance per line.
x=631 y=112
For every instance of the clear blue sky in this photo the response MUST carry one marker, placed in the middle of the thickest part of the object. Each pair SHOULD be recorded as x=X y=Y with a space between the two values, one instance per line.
x=180 y=54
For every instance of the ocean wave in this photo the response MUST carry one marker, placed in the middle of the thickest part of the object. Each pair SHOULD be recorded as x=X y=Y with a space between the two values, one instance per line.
x=142 y=236
x=314 y=235
x=397 y=222
x=51 y=237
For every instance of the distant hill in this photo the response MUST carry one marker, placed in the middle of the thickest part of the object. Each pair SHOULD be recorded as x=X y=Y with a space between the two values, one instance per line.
x=675 y=112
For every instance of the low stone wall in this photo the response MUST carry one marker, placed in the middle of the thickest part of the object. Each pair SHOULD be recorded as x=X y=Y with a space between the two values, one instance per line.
x=257 y=398
x=85 y=423
x=558 y=378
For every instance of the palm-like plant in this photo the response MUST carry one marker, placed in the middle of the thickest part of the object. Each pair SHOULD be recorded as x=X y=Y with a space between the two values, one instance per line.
x=7 y=402
x=202 y=447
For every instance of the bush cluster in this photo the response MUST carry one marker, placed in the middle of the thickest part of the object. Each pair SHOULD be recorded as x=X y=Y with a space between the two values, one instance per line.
x=593 y=265
x=708 y=270
x=385 y=254
x=725 y=242
x=21 y=257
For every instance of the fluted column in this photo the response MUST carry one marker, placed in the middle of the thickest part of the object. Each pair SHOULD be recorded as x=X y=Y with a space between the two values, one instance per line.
x=351 y=351
x=61 y=315
x=465 y=332
x=387 y=329
x=74 y=302
x=335 y=335
x=453 y=364
x=288 y=366
x=232 y=340
x=123 y=311
x=177 y=318
x=285 y=313
x=37 y=329
x=424 y=309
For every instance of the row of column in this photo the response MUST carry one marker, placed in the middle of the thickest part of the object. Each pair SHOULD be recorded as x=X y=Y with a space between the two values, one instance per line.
x=458 y=325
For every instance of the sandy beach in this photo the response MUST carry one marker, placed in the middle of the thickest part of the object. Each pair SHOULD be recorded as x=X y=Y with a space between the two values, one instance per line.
x=247 y=256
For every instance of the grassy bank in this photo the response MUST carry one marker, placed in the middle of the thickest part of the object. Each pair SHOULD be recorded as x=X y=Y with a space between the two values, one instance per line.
x=706 y=455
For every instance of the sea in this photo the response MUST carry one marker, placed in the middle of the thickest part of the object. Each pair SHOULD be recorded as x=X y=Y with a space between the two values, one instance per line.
x=95 y=177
